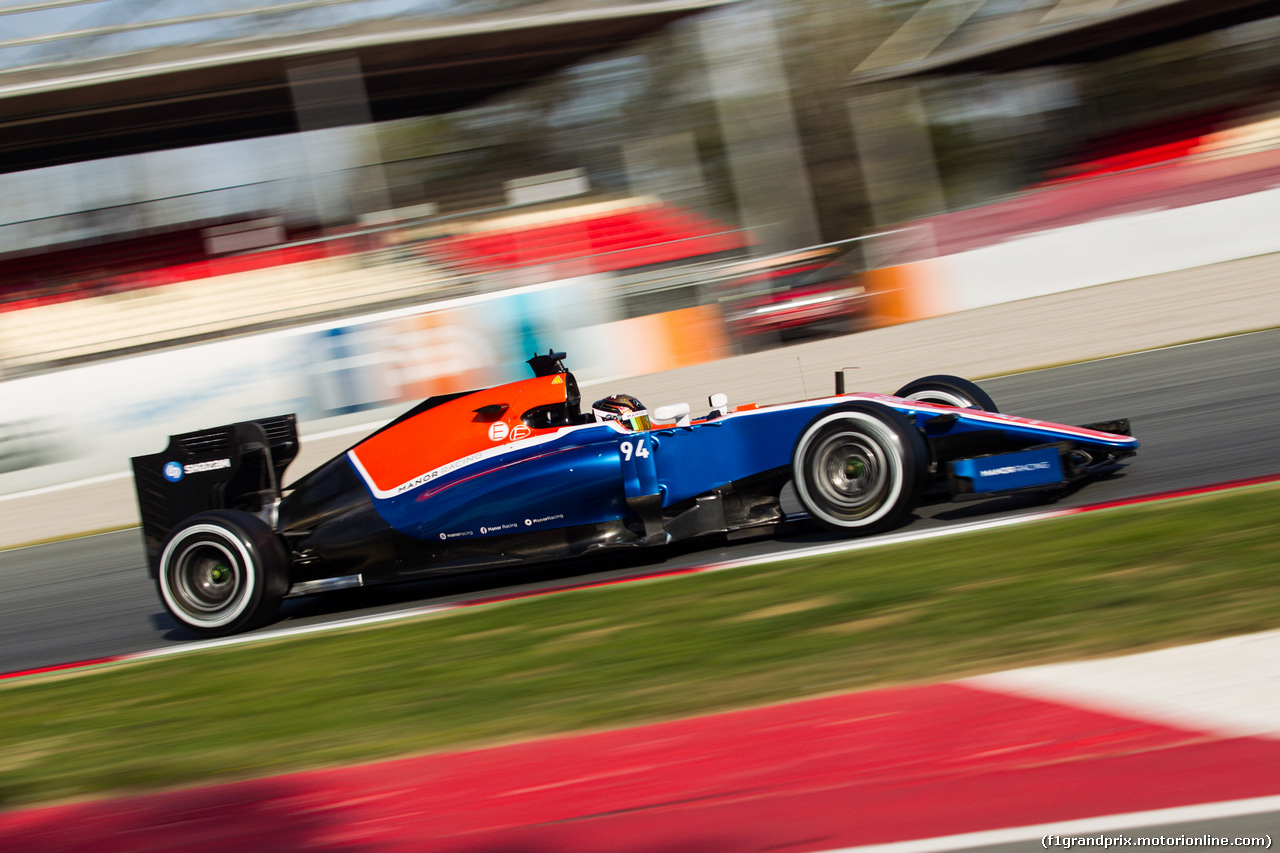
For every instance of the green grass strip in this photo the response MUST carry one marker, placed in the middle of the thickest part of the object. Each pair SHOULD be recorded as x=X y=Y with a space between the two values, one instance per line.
x=1094 y=584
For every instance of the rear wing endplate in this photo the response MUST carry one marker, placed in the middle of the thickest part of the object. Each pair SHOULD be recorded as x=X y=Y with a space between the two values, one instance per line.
x=237 y=466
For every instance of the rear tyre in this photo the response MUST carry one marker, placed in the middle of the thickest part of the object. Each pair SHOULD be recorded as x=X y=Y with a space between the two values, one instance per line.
x=860 y=468
x=948 y=391
x=222 y=572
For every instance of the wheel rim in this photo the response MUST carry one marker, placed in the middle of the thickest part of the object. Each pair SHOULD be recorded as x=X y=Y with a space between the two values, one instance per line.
x=943 y=398
x=852 y=473
x=206 y=578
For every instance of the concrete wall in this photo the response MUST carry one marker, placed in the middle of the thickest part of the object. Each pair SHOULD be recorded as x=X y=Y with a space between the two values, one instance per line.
x=1102 y=251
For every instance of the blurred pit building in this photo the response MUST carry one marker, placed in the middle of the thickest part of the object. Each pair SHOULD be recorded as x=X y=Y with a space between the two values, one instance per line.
x=223 y=210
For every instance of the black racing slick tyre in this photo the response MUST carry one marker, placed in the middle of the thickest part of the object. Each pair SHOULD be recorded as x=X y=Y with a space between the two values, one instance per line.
x=223 y=572
x=860 y=468
x=948 y=391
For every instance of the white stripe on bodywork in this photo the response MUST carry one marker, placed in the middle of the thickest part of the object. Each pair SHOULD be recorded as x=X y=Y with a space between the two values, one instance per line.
x=470 y=459
x=994 y=417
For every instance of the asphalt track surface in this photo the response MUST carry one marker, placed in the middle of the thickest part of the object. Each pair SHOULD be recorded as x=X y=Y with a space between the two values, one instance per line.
x=1205 y=413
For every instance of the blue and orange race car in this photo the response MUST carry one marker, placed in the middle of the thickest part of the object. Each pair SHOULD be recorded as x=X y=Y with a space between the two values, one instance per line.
x=520 y=473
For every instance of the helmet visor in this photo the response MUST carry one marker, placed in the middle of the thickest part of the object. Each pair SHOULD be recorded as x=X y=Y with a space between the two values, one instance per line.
x=633 y=420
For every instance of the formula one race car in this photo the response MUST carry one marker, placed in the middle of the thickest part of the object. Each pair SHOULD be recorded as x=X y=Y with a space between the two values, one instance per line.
x=519 y=473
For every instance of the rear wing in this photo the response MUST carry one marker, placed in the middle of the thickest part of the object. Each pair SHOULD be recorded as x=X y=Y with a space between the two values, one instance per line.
x=237 y=466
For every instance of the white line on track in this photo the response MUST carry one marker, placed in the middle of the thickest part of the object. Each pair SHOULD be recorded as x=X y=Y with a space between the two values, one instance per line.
x=1084 y=826
x=120 y=475
x=60 y=487
x=888 y=539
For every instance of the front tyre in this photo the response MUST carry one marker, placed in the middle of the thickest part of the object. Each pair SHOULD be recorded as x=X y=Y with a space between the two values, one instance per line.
x=860 y=468
x=948 y=391
x=222 y=572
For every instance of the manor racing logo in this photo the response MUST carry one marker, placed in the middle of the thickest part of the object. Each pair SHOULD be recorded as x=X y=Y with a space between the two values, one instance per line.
x=423 y=479
x=498 y=528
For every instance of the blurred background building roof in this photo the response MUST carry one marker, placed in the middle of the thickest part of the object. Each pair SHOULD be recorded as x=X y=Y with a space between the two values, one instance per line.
x=124 y=87
x=990 y=36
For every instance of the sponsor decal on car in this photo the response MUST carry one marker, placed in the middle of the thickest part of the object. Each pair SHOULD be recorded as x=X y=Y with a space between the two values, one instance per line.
x=173 y=472
x=1021 y=469
x=498 y=528
x=201 y=467
x=529 y=522
x=436 y=474
x=1015 y=469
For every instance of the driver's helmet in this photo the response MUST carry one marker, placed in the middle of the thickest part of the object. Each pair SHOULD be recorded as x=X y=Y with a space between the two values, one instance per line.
x=624 y=408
